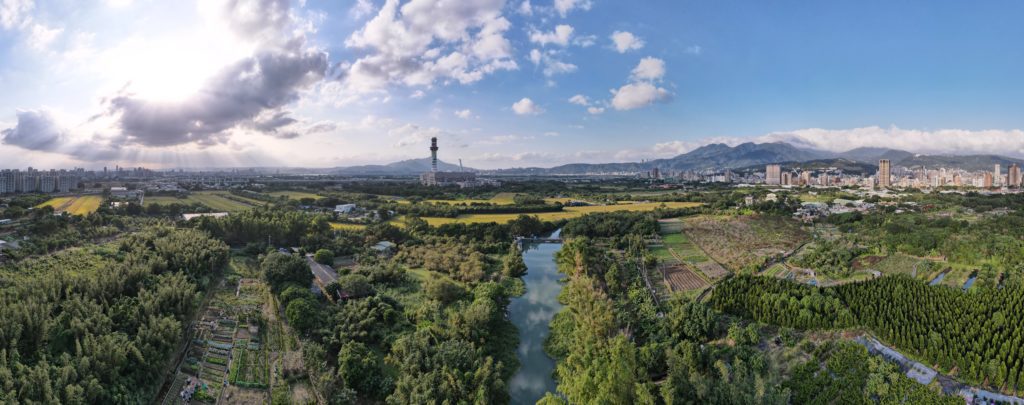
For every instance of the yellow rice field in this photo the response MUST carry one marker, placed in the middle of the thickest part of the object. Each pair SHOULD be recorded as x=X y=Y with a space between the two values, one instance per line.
x=567 y=213
x=295 y=195
x=76 y=205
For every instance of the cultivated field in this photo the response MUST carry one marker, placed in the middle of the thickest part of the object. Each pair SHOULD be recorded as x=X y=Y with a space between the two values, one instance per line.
x=294 y=195
x=679 y=278
x=567 y=213
x=498 y=199
x=76 y=205
x=215 y=200
x=740 y=241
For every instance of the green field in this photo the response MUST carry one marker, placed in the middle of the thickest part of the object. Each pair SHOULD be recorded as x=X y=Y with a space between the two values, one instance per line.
x=215 y=200
x=76 y=205
x=566 y=213
x=295 y=195
x=498 y=199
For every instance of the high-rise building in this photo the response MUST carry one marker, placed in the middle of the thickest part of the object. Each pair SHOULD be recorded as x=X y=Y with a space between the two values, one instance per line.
x=787 y=178
x=773 y=174
x=987 y=182
x=997 y=176
x=1013 y=176
x=805 y=178
x=884 y=174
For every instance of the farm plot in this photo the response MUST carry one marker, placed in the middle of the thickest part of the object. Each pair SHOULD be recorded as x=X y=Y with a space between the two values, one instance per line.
x=738 y=242
x=295 y=195
x=215 y=200
x=76 y=205
x=566 y=213
x=679 y=278
x=683 y=250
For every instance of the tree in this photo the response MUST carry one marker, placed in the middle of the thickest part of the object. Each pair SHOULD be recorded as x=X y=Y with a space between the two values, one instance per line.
x=279 y=269
x=443 y=289
x=360 y=368
x=324 y=256
x=513 y=265
x=354 y=286
x=302 y=314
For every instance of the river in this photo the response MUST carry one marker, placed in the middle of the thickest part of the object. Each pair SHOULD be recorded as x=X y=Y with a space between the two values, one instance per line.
x=531 y=314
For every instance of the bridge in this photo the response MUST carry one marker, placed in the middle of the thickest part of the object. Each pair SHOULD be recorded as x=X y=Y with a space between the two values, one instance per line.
x=523 y=240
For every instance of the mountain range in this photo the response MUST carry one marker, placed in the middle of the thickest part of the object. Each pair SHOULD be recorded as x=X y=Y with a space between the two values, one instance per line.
x=402 y=168
x=718 y=156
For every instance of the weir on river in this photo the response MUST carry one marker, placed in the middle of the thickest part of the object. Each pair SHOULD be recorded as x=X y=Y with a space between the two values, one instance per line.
x=531 y=314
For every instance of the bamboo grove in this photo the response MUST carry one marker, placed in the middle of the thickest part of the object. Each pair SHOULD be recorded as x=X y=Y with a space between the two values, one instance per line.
x=98 y=325
x=977 y=336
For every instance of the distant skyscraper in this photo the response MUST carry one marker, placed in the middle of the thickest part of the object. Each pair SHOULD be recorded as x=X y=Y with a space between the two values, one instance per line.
x=997 y=176
x=884 y=174
x=987 y=182
x=1013 y=176
x=787 y=178
x=773 y=174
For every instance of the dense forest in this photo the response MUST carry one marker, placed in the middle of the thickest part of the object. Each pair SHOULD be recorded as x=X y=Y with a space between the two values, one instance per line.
x=98 y=325
x=979 y=336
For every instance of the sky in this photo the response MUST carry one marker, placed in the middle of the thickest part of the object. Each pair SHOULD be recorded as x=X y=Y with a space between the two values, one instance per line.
x=518 y=83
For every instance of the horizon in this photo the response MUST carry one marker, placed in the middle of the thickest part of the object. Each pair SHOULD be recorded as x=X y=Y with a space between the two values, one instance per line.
x=507 y=84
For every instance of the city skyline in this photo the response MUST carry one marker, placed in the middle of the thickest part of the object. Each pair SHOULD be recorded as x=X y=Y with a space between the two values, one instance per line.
x=273 y=83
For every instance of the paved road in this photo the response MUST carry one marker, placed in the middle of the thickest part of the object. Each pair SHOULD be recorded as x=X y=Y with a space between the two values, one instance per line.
x=324 y=274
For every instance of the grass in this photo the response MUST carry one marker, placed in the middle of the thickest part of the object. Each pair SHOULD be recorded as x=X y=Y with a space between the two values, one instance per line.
x=295 y=195
x=77 y=205
x=566 y=213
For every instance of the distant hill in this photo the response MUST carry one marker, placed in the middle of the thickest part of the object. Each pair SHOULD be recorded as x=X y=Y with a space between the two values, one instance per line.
x=717 y=156
x=966 y=162
x=712 y=156
x=873 y=155
x=402 y=168
x=846 y=165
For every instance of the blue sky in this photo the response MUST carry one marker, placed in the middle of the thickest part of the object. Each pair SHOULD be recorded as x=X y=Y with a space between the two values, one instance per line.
x=333 y=83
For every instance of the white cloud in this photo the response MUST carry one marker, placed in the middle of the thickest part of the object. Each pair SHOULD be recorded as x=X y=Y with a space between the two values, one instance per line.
x=552 y=65
x=418 y=94
x=595 y=110
x=649 y=69
x=536 y=56
x=404 y=44
x=525 y=106
x=525 y=8
x=625 y=41
x=942 y=141
x=694 y=50
x=579 y=99
x=41 y=36
x=585 y=41
x=464 y=114
x=636 y=95
x=361 y=9
x=14 y=13
x=560 y=36
x=563 y=7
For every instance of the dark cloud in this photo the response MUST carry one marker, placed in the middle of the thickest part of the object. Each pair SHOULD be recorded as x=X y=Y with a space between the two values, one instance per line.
x=249 y=93
x=35 y=130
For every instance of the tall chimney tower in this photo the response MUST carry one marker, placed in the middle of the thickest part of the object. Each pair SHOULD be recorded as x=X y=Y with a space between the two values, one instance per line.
x=433 y=154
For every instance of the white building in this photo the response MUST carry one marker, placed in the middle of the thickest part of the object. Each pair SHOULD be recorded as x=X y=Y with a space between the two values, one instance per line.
x=344 y=208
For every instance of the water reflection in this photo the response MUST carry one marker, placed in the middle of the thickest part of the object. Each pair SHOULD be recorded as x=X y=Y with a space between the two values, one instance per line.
x=531 y=313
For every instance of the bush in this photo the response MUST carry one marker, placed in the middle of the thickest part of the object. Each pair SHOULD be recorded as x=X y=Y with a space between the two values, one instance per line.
x=324 y=256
